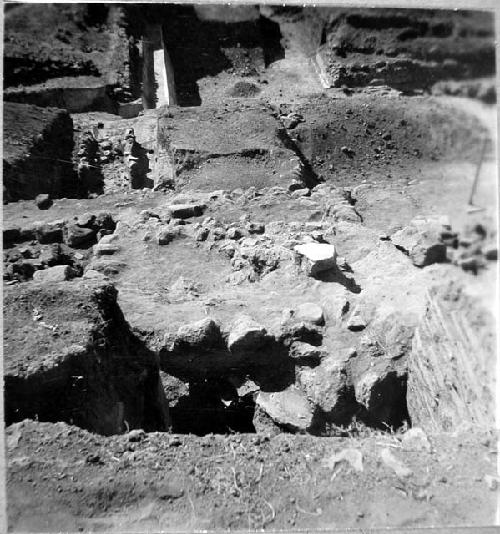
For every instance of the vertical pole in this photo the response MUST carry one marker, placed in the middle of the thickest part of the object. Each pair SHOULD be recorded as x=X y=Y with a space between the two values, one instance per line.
x=476 y=177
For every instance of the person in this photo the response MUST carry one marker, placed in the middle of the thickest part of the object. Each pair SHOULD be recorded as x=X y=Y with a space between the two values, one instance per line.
x=136 y=160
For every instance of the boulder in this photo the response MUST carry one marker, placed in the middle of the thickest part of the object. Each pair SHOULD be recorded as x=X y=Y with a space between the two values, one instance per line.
x=288 y=408
x=310 y=313
x=422 y=241
x=43 y=201
x=246 y=335
x=78 y=236
x=59 y=273
x=185 y=211
x=326 y=386
x=203 y=334
x=49 y=233
x=316 y=257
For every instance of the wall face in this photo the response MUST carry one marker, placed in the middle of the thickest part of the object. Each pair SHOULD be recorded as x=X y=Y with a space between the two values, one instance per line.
x=452 y=365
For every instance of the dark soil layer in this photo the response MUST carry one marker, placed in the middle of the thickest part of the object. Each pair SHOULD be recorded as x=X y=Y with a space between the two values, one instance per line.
x=37 y=151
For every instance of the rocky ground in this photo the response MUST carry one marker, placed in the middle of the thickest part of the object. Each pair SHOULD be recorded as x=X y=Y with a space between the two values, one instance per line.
x=292 y=324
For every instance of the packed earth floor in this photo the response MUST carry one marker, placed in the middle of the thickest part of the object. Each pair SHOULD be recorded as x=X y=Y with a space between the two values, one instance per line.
x=250 y=268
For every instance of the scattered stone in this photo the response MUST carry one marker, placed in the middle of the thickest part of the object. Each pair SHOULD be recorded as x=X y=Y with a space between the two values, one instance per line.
x=59 y=273
x=421 y=240
x=288 y=408
x=415 y=439
x=299 y=331
x=298 y=193
x=105 y=249
x=92 y=274
x=310 y=313
x=317 y=257
x=348 y=151
x=356 y=321
x=305 y=354
x=233 y=233
x=292 y=120
x=473 y=264
x=87 y=220
x=43 y=201
x=349 y=455
x=255 y=228
x=165 y=236
x=107 y=239
x=136 y=435
x=246 y=335
x=53 y=255
x=401 y=470
x=107 y=266
x=202 y=234
x=491 y=252
x=186 y=211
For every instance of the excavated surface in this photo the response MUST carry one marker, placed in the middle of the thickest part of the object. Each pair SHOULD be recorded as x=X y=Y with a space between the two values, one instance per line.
x=172 y=360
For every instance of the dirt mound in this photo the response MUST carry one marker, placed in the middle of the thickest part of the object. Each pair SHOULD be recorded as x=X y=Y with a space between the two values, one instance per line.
x=243 y=90
x=347 y=137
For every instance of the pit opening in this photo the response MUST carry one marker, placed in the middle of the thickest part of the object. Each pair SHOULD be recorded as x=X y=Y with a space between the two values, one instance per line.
x=213 y=407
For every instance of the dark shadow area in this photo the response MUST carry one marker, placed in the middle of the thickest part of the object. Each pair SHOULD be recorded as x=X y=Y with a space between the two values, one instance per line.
x=337 y=276
x=213 y=406
x=271 y=40
x=200 y=48
x=388 y=406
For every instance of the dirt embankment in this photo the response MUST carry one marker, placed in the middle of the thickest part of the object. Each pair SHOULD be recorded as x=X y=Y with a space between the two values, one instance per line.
x=69 y=356
x=37 y=151
x=403 y=49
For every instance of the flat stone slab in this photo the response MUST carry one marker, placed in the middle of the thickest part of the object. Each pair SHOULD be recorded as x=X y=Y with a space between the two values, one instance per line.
x=317 y=257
